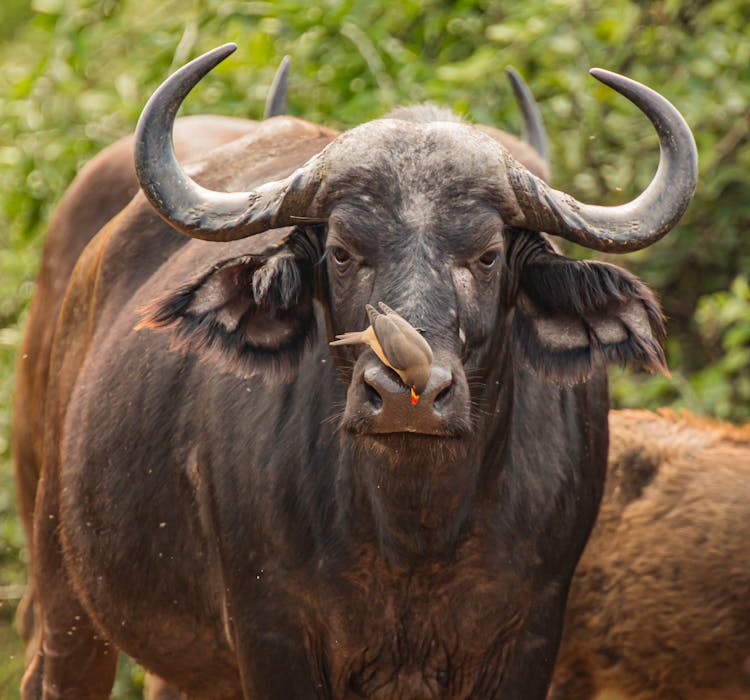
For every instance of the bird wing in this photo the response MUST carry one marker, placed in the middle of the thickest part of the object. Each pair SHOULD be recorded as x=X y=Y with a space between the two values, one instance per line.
x=409 y=331
x=398 y=346
x=394 y=340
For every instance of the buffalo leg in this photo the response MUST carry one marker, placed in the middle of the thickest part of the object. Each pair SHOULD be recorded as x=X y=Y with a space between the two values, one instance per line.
x=27 y=620
x=77 y=665
x=529 y=671
x=33 y=677
x=276 y=667
x=75 y=661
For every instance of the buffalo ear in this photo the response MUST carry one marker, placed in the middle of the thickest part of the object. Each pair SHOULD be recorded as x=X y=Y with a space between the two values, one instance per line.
x=252 y=314
x=571 y=314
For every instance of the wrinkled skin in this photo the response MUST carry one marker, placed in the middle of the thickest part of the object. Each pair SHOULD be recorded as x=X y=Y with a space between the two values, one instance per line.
x=220 y=524
x=659 y=605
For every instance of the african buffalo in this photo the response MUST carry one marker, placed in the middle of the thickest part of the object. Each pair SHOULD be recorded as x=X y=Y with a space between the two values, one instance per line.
x=659 y=607
x=251 y=513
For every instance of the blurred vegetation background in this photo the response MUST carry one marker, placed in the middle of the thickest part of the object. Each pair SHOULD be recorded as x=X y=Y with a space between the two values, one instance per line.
x=75 y=74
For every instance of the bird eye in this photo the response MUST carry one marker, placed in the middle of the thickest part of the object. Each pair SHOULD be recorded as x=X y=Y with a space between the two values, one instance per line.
x=488 y=259
x=340 y=255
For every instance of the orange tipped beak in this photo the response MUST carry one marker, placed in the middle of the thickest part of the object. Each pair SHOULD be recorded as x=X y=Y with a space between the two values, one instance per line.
x=414 y=397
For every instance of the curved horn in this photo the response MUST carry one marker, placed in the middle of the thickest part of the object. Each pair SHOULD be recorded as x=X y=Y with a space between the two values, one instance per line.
x=195 y=210
x=276 y=100
x=638 y=223
x=533 y=130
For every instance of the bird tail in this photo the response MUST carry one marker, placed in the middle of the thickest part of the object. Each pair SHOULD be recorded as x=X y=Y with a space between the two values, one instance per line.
x=353 y=338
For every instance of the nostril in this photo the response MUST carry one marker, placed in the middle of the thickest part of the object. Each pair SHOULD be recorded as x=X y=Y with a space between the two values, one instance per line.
x=443 y=397
x=373 y=397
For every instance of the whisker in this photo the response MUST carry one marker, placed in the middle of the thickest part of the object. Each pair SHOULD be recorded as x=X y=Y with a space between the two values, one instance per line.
x=337 y=413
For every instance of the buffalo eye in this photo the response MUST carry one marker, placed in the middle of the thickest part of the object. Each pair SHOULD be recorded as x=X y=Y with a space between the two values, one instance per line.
x=488 y=259
x=341 y=256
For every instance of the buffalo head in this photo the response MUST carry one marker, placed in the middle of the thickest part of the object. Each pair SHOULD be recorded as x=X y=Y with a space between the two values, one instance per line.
x=438 y=220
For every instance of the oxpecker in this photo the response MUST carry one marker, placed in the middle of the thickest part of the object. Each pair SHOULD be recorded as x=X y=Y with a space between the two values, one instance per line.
x=398 y=344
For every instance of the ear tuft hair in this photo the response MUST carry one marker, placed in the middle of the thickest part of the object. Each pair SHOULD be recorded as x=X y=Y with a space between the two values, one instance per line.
x=250 y=315
x=277 y=283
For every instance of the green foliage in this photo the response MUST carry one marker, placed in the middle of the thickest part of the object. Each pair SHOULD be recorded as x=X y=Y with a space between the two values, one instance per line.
x=11 y=654
x=75 y=74
x=721 y=387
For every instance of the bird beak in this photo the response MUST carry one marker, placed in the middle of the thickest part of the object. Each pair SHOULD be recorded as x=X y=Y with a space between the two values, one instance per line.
x=414 y=397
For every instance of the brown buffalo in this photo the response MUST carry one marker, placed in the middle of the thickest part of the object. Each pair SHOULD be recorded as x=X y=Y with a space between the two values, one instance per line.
x=250 y=513
x=659 y=608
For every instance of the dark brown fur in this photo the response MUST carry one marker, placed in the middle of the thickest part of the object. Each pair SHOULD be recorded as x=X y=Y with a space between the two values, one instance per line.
x=102 y=188
x=659 y=608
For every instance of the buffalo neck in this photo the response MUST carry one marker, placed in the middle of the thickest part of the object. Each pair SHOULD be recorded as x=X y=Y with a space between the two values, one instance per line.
x=417 y=496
